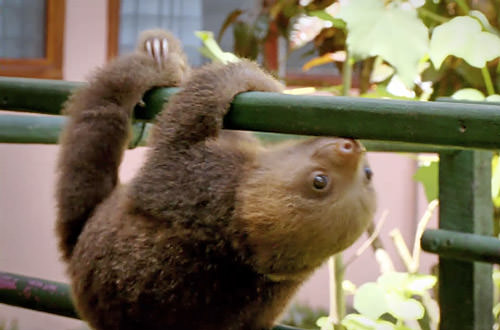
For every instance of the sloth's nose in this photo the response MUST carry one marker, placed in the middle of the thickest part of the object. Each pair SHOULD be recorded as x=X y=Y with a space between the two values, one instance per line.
x=348 y=146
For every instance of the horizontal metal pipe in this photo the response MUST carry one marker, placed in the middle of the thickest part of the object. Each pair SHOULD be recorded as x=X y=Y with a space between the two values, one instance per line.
x=35 y=95
x=461 y=246
x=46 y=296
x=434 y=123
x=36 y=294
x=30 y=128
x=45 y=129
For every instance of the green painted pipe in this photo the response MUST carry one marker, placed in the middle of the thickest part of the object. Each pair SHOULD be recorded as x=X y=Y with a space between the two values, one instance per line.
x=461 y=246
x=36 y=294
x=30 y=128
x=34 y=95
x=435 y=123
x=46 y=296
x=45 y=129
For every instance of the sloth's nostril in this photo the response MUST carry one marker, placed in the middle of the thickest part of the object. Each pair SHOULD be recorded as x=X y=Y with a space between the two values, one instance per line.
x=347 y=146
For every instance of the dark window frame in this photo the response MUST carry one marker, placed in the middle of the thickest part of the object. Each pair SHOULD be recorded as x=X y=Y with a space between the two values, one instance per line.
x=113 y=27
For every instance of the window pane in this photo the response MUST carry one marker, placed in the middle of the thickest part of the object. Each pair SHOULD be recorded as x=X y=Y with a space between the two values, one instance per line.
x=22 y=28
x=181 y=17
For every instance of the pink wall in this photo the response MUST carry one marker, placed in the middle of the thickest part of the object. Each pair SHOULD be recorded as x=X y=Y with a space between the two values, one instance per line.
x=27 y=210
x=85 y=38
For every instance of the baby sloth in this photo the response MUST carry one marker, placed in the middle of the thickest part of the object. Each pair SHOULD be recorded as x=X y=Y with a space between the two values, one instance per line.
x=215 y=231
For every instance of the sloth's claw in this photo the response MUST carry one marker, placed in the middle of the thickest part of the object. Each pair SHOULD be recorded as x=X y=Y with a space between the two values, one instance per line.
x=157 y=49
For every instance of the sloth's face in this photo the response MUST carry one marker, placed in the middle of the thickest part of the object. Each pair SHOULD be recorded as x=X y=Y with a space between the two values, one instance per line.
x=305 y=202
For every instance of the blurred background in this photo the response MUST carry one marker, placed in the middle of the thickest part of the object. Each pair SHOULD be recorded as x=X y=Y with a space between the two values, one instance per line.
x=368 y=48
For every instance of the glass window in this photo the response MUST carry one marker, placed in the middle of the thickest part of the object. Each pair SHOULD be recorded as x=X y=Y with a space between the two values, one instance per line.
x=181 y=17
x=22 y=28
x=31 y=38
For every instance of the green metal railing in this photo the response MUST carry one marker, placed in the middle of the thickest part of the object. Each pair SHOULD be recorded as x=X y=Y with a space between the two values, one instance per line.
x=461 y=133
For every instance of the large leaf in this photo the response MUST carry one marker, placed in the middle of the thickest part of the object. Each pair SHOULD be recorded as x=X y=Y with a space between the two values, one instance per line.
x=370 y=301
x=420 y=283
x=404 y=283
x=462 y=37
x=397 y=35
x=393 y=281
x=212 y=50
x=404 y=308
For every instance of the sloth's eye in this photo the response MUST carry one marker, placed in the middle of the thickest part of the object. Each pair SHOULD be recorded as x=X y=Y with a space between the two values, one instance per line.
x=368 y=173
x=320 y=181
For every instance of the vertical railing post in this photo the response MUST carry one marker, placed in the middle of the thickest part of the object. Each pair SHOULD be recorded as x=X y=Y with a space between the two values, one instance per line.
x=465 y=288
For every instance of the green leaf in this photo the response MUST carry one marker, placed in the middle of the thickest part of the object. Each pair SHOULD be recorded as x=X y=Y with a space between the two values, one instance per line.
x=397 y=35
x=493 y=98
x=419 y=283
x=370 y=301
x=325 y=323
x=469 y=94
x=405 y=283
x=393 y=281
x=404 y=308
x=462 y=37
x=212 y=50
x=427 y=174
x=245 y=43
x=483 y=20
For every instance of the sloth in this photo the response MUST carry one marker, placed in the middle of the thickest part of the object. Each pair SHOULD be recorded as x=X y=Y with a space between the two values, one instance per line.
x=215 y=231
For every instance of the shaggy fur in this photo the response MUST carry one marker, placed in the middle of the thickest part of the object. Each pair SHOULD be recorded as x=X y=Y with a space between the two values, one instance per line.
x=215 y=231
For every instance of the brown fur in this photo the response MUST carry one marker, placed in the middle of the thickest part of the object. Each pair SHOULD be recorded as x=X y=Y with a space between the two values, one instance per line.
x=215 y=232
